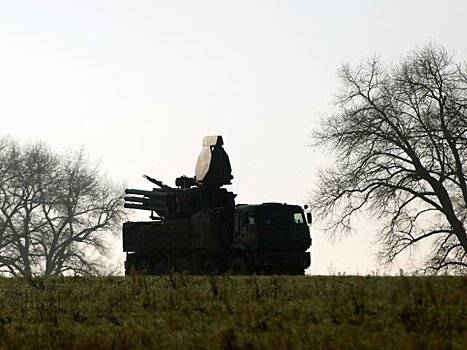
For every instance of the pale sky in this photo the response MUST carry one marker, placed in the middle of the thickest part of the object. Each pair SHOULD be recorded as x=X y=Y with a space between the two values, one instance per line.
x=139 y=83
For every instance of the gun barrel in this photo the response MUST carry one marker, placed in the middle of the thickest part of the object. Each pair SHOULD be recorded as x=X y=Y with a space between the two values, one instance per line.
x=135 y=199
x=145 y=199
x=156 y=193
x=145 y=207
x=147 y=202
x=158 y=183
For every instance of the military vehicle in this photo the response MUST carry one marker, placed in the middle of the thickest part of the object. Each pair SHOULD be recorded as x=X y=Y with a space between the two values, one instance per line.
x=197 y=227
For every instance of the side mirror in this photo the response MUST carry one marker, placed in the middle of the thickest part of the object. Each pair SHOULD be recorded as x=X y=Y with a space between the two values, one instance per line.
x=309 y=218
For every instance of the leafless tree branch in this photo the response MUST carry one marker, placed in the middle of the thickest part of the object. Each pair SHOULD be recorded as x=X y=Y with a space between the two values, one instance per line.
x=54 y=211
x=399 y=137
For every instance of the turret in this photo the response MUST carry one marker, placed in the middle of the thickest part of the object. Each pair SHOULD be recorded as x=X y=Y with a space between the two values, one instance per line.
x=202 y=191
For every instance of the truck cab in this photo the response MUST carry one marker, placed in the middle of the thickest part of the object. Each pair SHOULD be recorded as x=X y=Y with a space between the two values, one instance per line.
x=270 y=238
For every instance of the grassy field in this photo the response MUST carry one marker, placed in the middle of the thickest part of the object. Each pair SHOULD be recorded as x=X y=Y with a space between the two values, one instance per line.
x=232 y=312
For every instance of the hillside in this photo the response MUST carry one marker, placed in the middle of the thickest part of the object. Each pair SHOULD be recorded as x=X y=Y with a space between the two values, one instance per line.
x=230 y=312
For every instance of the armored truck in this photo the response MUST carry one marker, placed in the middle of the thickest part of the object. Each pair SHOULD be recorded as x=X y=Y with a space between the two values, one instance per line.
x=197 y=227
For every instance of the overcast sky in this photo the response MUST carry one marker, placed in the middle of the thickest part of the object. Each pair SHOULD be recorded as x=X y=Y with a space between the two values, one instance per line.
x=139 y=83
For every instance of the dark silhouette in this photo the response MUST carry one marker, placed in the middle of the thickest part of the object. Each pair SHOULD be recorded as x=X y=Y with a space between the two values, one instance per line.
x=198 y=227
x=400 y=138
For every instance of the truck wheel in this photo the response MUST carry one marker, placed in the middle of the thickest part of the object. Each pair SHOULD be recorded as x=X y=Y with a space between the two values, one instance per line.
x=132 y=270
x=297 y=272
x=161 y=266
x=143 y=268
x=210 y=266
x=238 y=266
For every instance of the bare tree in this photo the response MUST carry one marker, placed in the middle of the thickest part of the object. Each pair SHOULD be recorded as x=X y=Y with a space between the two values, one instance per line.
x=8 y=207
x=55 y=212
x=399 y=135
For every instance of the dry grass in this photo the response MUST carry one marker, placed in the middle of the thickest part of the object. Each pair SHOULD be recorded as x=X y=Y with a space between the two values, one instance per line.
x=230 y=312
